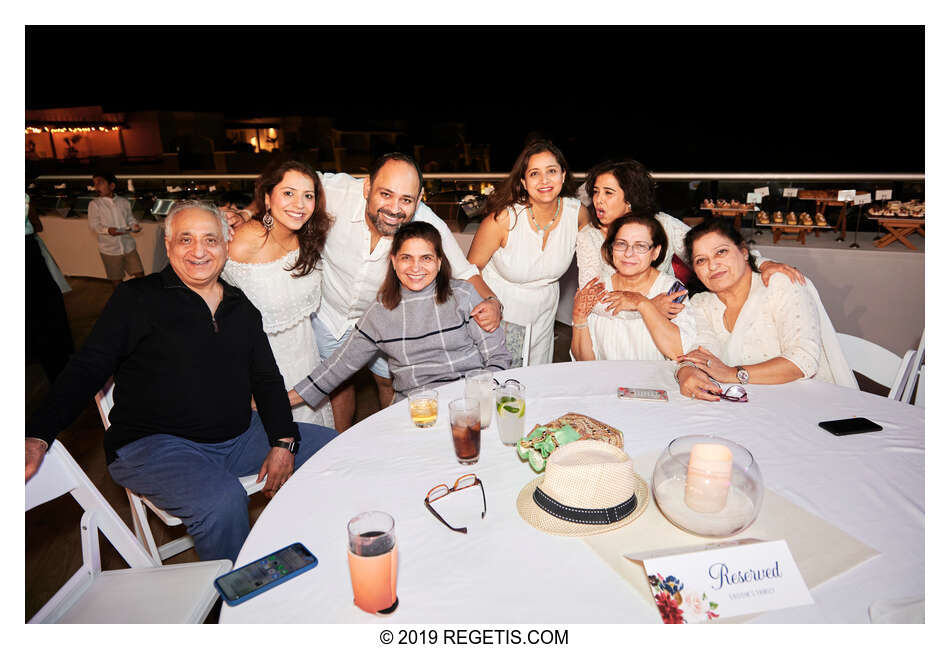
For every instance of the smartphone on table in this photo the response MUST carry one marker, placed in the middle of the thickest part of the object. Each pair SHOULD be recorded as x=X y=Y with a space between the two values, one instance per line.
x=254 y=578
x=850 y=426
x=642 y=394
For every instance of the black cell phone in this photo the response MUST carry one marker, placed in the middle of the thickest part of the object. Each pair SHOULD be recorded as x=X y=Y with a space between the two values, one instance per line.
x=253 y=579
x=850 y=426
x=676 y=288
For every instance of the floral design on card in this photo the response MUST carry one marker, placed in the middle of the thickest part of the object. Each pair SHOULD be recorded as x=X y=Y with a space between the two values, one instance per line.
x=678 y=605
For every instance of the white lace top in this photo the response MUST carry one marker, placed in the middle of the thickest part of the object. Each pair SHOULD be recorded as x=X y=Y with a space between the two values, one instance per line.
x=285 y=303
x=282 y=300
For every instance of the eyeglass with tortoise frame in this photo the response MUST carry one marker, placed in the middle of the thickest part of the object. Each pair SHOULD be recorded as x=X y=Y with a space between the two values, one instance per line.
x=441 y=491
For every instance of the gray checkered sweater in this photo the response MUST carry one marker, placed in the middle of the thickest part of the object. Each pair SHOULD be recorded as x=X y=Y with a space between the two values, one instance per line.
x=426 y=343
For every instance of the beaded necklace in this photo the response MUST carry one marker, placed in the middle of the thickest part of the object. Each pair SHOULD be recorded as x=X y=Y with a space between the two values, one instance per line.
x=550 y=223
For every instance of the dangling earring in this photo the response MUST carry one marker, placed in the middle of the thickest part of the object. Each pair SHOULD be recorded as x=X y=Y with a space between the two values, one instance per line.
x=267 y=220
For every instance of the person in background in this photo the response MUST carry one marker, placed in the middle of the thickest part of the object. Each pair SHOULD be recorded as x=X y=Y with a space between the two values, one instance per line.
x=747 y=332
x=187 y=352
x=421 y=322
x=275 y=259
x=48 y=337
x=634 y=248
x=527 y=241
x=110 y=217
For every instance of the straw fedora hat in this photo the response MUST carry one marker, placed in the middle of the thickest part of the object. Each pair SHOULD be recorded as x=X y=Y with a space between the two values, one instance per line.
x=589 y=487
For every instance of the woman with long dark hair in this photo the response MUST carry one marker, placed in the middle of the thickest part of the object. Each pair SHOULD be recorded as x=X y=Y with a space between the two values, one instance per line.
x=275 y=259
x=527 y=241
x=421 y=321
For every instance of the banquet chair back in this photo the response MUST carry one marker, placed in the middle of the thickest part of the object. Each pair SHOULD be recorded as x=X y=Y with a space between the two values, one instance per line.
x=916 y=376
x=145 y=592
x=877 y=363
x=518 y=342
x=138 y=504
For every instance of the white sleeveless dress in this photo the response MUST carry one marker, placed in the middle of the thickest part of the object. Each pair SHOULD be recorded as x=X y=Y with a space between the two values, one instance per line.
x=525 y=277
x=285 y=303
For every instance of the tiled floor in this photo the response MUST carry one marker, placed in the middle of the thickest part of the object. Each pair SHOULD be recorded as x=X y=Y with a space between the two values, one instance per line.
x=53 y=550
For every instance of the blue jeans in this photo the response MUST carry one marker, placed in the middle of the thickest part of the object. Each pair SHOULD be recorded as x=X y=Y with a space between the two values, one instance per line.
x=199 y=484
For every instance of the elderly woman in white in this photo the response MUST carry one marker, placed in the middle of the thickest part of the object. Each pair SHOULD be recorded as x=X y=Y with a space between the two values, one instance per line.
x=634 y=248
x=747 y=332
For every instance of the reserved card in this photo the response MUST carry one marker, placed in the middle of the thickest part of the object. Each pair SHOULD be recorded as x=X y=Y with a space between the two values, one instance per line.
x=882 y=195
x=720 y=580
x=846 y=194
x=762 y=191
x=790 y=192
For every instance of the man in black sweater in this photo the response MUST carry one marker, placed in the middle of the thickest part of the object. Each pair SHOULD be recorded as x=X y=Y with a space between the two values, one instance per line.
x=188 y=352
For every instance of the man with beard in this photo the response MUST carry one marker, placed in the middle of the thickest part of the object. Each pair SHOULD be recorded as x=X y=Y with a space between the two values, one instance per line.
x=367 y=214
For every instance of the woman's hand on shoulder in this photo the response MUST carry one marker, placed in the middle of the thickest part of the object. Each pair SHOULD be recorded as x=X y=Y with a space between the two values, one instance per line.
x=769 y=268
x=247 y=241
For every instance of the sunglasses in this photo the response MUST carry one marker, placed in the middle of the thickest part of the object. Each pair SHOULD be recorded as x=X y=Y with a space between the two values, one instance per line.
x=441 y=491
x=735 y=393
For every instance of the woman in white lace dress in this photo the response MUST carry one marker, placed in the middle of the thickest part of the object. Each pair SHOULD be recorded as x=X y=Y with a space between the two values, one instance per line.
x=633 y=250
x=527 y=241
x=747 y=332
x=275 y=259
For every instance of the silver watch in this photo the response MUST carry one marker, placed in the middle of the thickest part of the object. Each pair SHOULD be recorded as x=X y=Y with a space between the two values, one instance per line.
x=742 y=374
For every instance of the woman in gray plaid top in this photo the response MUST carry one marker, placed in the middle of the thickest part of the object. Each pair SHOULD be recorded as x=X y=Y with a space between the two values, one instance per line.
x=421 y=321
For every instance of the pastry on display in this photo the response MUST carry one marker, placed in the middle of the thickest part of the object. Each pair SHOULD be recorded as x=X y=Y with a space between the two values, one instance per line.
x=820 y=219
x=806 y=219
x=909 y=209
x=777 y=218
x=762 y=218
x=791 y=219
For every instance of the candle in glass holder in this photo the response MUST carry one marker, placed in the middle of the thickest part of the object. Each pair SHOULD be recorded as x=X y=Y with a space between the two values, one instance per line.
x=708 y=477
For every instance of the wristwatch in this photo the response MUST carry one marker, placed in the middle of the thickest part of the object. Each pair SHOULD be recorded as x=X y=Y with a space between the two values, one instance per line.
x=742 y=374
x=291 y=446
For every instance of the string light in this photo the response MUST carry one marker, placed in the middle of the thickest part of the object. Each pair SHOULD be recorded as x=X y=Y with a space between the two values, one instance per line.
x=34 y=130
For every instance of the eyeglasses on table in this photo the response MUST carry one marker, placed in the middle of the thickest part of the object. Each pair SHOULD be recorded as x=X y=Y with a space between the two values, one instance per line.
x=441 y=491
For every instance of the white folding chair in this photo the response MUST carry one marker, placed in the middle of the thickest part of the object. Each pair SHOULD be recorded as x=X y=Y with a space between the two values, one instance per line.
x=877 y=363
x=518 y=342
x=104 y=401
x=916 y=376
x=145 y=592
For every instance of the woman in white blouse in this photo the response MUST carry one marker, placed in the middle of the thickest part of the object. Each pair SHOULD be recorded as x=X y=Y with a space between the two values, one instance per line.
x=747 y=332
x=633 y=249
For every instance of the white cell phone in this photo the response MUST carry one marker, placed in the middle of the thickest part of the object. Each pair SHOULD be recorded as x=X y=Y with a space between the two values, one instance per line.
x=643 y=394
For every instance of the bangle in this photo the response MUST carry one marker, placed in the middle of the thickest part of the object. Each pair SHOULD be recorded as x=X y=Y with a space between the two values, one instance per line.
x=501 y=307
x=579 y=325
x=679 y=367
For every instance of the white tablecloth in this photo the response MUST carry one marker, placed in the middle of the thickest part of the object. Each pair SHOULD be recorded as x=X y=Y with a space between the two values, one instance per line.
x=74 y=246
x=503 y=570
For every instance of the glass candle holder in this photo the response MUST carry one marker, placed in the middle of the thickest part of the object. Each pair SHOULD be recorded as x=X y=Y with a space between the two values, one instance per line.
x=708 y=486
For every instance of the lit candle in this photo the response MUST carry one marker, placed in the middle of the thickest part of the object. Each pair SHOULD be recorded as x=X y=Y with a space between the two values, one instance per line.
x=707 y=478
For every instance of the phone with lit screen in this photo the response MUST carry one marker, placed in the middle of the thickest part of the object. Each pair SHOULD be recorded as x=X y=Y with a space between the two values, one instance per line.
x=254 y=578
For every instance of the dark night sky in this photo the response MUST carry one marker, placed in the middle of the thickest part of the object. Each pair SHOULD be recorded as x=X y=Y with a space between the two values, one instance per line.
x=677 y=99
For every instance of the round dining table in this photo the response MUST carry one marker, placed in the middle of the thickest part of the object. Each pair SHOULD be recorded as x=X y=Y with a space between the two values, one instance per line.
x=870 y=486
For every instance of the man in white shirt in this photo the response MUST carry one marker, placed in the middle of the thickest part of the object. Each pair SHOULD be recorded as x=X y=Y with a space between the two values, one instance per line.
x=367 y=214
x=110 y=217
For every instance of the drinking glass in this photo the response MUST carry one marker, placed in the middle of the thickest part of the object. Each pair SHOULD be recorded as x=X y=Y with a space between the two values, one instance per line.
x=373 y=559
x=479 y=385
x=423 y=407
x=465 y=419
x=509 y=406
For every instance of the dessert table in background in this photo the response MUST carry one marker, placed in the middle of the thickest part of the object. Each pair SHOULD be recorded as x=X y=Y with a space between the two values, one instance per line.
x=871 y=486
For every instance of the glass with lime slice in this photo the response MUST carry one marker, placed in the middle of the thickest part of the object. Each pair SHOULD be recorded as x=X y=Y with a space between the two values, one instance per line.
x=509 y=406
